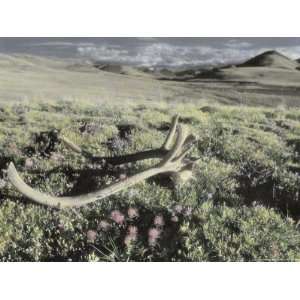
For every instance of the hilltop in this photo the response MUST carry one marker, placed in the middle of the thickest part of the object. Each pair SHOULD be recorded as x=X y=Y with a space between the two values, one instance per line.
x=270 y=67
x=271 y=59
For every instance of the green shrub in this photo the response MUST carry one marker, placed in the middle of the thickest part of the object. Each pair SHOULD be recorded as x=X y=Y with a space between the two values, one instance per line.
x=240 y=234
x=242 y=203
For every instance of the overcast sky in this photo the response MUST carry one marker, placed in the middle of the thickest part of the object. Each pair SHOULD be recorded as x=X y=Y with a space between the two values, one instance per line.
x=169 y=52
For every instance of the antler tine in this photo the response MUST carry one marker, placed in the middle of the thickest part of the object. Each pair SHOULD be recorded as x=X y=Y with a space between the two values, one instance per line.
x=172 y=163
x=181 y=138
x=171 y=134
x=75 y=147
x=70 y=144
x=187 y=145
x=184 y=153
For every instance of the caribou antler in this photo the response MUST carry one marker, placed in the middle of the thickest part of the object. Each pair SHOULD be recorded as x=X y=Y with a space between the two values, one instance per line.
x=173 y=162
x=122 y=159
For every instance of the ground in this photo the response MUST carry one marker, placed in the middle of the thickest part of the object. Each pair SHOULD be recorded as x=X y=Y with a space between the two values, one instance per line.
x=32 y=78
x=242 y=203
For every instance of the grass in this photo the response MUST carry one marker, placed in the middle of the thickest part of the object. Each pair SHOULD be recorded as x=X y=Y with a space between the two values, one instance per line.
x=241 y=205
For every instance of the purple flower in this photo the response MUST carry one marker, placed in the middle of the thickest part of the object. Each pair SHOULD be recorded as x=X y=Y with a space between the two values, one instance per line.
x=117 y=216
x=104 y=225
x=29 y=163
x=132 y=213
x=174 y=219
x=178 y=208
x=153 y=236
x=159 y=221
x=188 y=211
x=132 y=231
x=61 y=226
x=91 y=235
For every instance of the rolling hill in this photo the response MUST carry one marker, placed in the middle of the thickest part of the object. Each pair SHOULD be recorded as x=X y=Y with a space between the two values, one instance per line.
x=269 y=79
x=271 y=59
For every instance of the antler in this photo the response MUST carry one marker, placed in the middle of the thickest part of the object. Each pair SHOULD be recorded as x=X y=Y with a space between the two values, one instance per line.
x=173 y=162
x=122 y=159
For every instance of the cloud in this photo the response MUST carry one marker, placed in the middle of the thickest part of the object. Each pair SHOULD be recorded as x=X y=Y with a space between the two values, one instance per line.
x=167 y=55
x=162 y=54
x=292 y=52
x=61 y=44
x=235 y=43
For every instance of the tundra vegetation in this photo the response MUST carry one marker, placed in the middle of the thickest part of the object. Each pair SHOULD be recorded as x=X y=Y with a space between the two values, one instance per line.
x=241 y=203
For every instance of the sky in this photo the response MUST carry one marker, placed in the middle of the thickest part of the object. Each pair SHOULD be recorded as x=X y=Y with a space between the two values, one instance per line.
x=156 y=52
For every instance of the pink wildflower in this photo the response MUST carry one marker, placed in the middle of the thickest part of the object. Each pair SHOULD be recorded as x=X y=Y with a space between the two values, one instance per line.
x=91 y=235
x=188 y=211
x=174 y=219
x=61 y=226
x=117 y=216
x=131 y=235
x=153 y=236
x=132 y=231
x=132 y=213
x=159 y=221
x=178 y=208
x=29 y=163
x=104 y=225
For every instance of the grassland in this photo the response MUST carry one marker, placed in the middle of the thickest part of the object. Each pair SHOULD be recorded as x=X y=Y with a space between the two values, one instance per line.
x=242 y=203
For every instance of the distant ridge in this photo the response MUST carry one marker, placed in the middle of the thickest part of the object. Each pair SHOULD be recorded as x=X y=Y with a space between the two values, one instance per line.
x=272 y=59
x=122 y=69
x=109 y=67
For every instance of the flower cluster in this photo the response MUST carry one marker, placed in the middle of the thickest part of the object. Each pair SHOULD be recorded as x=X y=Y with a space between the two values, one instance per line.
x=131 y=227
x=131 y=236
x=91 y=236
x=117 y=217
x=132 y=213
x=153 y=236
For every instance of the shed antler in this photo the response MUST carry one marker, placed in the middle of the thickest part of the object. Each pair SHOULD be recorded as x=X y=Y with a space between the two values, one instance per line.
x=122 y=159
x=172 y=162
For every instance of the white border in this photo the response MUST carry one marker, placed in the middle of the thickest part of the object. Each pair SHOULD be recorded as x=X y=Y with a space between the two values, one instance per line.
x=149 y=281
x=149 y=18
